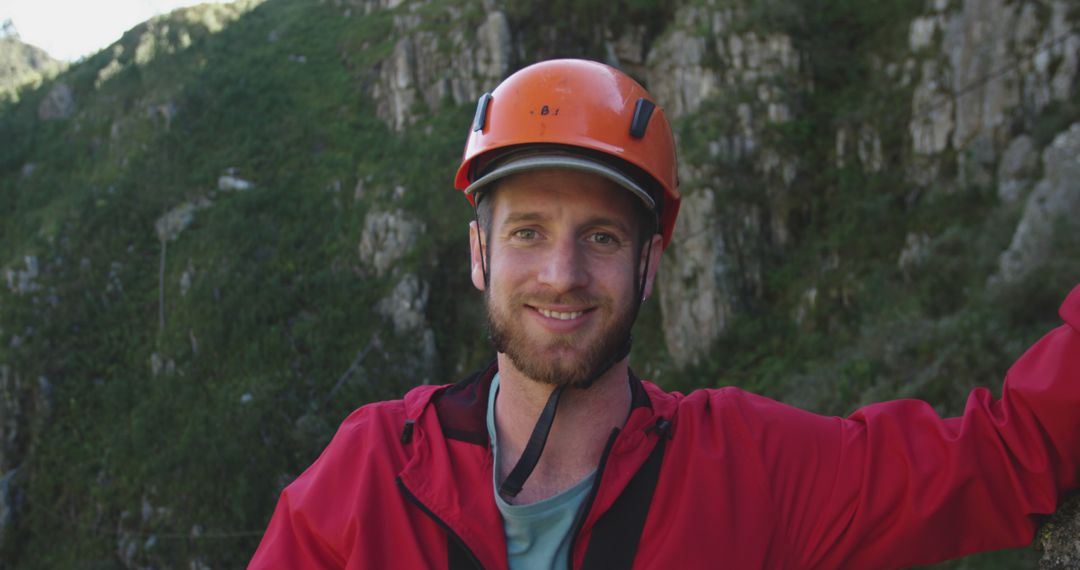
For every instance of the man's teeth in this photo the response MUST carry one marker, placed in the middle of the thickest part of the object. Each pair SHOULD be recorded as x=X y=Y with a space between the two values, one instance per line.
x=561 y=316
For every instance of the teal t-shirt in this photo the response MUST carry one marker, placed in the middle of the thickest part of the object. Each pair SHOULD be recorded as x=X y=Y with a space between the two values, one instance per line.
x=537 y=534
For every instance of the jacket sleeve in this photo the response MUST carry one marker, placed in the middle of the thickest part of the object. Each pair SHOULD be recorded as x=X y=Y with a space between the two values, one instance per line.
x=314 y=521
x=894 y=485
x=291 y=541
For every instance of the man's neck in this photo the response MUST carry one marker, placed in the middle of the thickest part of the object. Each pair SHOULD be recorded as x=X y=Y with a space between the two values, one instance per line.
x=578 y=435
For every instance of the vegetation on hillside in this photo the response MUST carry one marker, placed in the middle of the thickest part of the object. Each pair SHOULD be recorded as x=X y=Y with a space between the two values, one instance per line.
x=170 y=384
x=22 y=66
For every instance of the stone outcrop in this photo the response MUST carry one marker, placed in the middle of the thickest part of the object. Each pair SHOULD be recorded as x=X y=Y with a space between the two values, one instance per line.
x=387 y=237
x=976 y=45
x=405 y=307
x=998 y=65
x=427 y=69
x=1017 y=168
x=710 y=67
x=695 y=306
x=1055 y=200
x=979 y=72
x=706 y=54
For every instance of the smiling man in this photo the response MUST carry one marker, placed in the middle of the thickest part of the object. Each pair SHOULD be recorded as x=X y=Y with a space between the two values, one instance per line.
x=557 y=456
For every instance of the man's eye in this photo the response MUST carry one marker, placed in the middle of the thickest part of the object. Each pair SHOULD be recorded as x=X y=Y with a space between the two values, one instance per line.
x=525 y=234
x=602 y=238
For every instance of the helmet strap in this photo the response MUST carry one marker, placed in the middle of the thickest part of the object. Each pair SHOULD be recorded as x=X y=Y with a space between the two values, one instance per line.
x=480 y=243
x=514 y=482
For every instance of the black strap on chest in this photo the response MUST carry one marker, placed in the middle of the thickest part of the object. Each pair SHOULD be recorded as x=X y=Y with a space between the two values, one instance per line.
x=616 y=536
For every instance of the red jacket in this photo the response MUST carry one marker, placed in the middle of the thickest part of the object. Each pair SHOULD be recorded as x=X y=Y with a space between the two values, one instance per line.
x=745 y=482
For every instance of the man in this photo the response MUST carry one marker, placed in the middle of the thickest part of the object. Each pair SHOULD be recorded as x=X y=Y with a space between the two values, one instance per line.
x=557 y=456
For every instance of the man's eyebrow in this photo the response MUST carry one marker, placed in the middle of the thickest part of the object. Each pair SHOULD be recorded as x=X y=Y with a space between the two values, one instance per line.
x=611 y=222
x=518 y=217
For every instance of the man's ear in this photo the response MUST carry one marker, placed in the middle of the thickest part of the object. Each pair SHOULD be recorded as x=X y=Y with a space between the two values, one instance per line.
x=477 y=269
x=651 y=251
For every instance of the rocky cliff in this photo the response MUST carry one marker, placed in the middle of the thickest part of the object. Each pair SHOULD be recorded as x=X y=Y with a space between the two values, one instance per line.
x=229 y=229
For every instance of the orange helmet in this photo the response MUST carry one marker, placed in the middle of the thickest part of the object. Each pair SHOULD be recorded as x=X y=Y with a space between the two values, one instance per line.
x=570 y=113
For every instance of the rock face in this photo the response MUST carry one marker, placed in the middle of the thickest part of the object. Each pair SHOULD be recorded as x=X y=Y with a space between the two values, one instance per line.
x=695 y=305
x=1017 y=168
x=1055 y=200
x=998 y=65
x=710 y=68
x=406 y=309
x=979 y=73
x=427 y=69
x=387 y=237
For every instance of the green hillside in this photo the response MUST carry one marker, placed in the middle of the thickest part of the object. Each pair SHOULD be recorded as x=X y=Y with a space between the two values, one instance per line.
x=22 y=65
x=222 y=246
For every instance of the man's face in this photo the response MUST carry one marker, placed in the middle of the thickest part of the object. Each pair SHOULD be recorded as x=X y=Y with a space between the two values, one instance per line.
x=562 y=262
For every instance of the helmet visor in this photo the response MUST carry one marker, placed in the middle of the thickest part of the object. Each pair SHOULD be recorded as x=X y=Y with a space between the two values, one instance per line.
x=518 y=163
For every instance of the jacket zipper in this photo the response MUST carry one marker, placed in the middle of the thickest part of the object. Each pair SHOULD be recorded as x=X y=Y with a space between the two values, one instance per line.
x=579 y=521
x=457 y=538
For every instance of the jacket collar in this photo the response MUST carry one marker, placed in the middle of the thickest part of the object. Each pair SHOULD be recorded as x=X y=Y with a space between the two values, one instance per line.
x=451 y=469
x=462 y=407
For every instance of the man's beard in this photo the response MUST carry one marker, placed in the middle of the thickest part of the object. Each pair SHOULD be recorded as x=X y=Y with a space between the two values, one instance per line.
x=593 y=356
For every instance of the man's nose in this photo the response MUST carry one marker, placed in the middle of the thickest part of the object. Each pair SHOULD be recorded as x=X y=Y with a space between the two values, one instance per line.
x=563 y=267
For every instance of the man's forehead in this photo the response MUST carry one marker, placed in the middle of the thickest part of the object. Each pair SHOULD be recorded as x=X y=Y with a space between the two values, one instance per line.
x=547 y=192
x=543 y=199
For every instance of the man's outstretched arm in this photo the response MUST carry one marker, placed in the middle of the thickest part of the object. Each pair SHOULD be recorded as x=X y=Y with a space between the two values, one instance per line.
x=911 y=488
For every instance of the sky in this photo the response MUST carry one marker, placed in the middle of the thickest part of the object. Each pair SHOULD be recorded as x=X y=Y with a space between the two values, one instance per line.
x=70 y=29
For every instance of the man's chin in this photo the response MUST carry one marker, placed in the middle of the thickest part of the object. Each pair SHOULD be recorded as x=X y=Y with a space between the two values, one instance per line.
x=553 y=367
x=557 y=358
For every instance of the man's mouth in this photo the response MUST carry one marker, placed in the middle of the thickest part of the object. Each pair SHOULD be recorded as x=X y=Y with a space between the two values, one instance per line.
x=562 y=316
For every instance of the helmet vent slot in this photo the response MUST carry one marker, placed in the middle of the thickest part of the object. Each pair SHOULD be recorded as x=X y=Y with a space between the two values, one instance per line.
x=642 y=113
x=480 y=120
